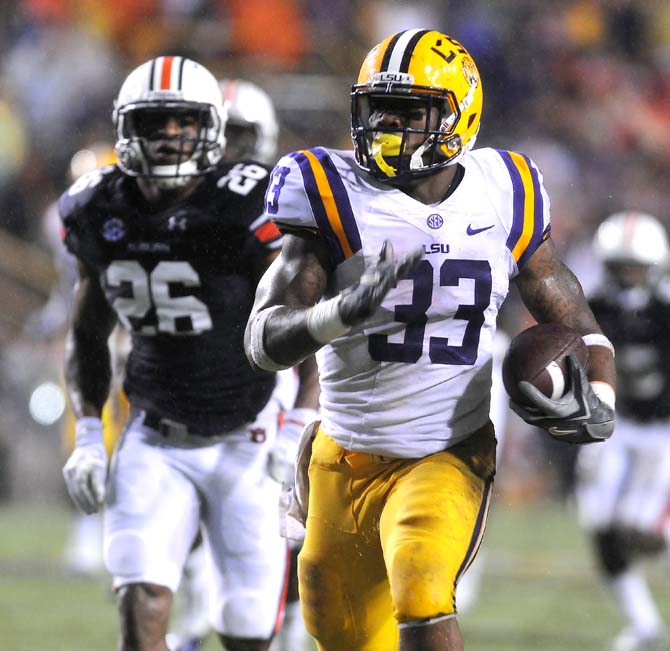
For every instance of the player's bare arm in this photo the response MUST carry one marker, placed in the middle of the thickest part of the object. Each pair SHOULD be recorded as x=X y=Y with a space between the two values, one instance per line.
x=287 y=325
x=88 y=369
x=308 y=374
x=552 y=293
x=296 y=280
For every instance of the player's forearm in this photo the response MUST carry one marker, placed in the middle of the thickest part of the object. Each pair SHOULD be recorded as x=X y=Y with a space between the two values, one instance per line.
x=601 y=367
x=88 y=375
x=278 y=337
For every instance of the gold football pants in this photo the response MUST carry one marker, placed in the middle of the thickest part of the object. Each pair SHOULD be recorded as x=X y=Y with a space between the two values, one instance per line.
x=388 y=539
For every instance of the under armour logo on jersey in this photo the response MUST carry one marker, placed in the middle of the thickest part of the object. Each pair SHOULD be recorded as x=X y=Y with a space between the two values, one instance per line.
x=177 y=223
x=435 y=221
x=113 y=229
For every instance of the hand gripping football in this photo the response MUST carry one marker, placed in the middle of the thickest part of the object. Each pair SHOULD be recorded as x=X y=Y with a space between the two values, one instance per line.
x=538 y=355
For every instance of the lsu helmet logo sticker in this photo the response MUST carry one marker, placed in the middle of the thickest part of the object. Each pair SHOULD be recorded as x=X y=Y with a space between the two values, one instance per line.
x=470 y=71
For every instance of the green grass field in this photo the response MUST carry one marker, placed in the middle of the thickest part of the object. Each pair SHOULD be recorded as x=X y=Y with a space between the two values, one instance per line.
x=539 y=591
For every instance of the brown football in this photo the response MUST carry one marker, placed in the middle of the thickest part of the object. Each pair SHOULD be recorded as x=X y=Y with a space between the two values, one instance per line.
x=537 y=355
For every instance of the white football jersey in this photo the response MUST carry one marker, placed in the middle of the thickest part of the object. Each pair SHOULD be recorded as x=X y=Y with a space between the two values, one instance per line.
x=415 y=377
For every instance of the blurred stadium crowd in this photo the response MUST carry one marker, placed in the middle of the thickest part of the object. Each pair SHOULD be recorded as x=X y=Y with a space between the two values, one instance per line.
x=583 y=86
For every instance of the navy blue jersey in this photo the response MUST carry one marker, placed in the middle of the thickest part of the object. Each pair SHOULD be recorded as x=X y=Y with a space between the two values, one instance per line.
x=641 y=338
x=182 y=280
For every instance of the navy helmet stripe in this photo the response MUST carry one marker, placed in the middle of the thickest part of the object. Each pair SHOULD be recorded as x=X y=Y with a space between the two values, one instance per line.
x=182 y=60
x=151 y=74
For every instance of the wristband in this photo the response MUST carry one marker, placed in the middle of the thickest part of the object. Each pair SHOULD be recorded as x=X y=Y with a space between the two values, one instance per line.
x=324 y=322
x=604 y=392
x=596 y=339
x=88 y=431
x=257 y=350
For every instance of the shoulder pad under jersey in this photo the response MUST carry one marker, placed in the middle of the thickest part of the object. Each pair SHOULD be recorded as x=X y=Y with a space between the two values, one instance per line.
x=309 y=191
x=241 y=187
x=515 y=186
x=84 y=190
x=295 y=196
x=76 y=208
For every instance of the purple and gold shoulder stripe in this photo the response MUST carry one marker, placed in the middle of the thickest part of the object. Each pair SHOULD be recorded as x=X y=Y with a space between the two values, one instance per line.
x=528 y=231
x=329 y=201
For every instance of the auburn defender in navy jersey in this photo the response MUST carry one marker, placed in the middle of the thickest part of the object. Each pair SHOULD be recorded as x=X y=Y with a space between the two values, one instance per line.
x=395 y=261
x=170 y=242
x=623 y=488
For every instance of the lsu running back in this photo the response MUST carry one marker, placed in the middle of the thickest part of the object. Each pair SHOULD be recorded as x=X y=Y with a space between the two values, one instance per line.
x=473 y=242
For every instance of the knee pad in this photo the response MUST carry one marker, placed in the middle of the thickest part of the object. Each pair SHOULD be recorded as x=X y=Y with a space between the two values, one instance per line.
x=422 y=584
x=245 y=614
x=126 y=554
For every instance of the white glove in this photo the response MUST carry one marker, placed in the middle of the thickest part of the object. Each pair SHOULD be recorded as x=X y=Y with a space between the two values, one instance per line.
x=85 y=472
x=282 y=457
x=294 y=500
x=291 y=526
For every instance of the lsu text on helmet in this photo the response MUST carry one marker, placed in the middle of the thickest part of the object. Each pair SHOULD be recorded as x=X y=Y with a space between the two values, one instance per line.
x=415 y=72
x=631 y=239
x=252 y=128
x=159 y=89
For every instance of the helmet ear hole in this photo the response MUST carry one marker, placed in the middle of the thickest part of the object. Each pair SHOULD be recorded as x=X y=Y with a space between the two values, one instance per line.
x=471 y=119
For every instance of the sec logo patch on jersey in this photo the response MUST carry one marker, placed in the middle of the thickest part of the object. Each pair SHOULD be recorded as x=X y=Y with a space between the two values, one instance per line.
x=435 y=221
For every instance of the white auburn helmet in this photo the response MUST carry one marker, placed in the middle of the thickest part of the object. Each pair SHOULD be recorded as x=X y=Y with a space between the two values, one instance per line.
x=169 y=83
x=248 y=106
x=634 y=238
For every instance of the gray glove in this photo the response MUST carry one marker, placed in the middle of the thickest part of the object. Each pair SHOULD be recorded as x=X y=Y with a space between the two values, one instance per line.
x=579 y=416
x=359 y=302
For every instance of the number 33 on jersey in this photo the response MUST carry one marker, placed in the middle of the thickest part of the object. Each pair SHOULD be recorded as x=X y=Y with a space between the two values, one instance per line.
x=439 y=321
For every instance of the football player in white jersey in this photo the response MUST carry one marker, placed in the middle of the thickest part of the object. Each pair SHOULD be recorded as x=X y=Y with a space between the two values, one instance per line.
x=623 y=488
x=396 y=259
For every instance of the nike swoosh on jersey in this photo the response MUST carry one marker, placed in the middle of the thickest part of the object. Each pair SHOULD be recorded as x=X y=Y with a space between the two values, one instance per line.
x=474 y=231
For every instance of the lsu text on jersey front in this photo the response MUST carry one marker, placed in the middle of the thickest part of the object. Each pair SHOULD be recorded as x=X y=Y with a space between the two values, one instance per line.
x=182 y=280
x=419 y=370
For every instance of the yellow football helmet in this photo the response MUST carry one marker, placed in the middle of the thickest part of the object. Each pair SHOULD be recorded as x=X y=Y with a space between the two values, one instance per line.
x=412 y=73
